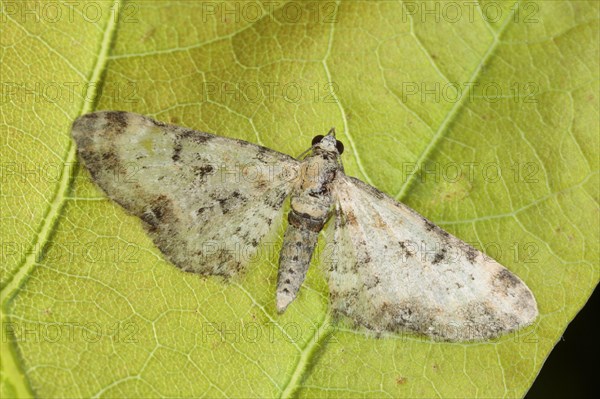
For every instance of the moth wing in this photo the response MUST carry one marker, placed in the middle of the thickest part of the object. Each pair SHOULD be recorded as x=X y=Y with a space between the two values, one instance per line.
x=206 y=201
x=393 y=270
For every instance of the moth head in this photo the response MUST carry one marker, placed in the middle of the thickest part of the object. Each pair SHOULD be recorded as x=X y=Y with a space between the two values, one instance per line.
x=328 y=143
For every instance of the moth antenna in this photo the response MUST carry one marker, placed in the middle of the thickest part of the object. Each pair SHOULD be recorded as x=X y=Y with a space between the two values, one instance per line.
x=341 y=164
x=305 y=152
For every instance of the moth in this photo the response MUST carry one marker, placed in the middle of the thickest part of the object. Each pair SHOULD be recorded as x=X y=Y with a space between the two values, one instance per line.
x=203 y=198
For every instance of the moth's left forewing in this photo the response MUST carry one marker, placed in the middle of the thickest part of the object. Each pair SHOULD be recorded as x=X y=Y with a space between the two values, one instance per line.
x=393 y=270
x=209 y=203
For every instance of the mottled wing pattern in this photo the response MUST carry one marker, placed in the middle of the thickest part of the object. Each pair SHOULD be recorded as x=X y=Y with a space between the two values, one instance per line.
x=393 y=270
x=206 y=201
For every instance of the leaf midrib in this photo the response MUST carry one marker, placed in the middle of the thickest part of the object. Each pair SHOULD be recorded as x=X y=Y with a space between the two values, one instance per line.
x=450 y=116
x=54 y=209
x=299 y=375
x=11 y=363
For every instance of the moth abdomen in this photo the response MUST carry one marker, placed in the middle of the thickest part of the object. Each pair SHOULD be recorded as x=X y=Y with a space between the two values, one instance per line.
x=299 y=243
x=311 y=203
x=304 y=221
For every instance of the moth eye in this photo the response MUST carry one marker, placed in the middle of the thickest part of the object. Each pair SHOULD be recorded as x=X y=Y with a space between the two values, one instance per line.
x=340 y=146
x=317 y=139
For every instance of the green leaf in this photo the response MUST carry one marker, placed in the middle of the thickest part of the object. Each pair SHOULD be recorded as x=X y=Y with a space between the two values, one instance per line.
x=494 y=105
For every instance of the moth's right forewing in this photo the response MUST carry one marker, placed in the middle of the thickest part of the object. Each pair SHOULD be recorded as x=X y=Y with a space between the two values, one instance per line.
x=206 y=201
x=393 y=270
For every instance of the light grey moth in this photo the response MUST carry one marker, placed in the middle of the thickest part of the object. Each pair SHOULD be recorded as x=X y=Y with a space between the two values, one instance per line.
x=392 y=269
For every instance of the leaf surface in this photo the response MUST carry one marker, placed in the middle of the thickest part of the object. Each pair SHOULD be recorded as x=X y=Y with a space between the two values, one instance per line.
x=485 y=123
